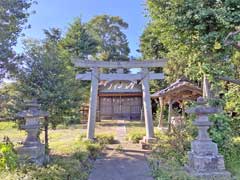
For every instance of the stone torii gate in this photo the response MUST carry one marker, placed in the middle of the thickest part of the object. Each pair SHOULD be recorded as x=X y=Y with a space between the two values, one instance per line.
x=144 y=77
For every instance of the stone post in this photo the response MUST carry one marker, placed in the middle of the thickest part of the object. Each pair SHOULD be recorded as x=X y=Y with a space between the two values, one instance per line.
x=147 y=106
x=93 y=104
x=204 y=160
x=32 y=151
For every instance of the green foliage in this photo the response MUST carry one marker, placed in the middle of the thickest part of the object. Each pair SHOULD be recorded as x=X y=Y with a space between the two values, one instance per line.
x=59 y=168
x=13 y=16
x=232 y=98
x=174 y=145
x=216 y=102
x=105 y=139
x=193 y=33
x=93 y=149
x=136 y=136
x=151 y=46
x=7 y=125
x=49 y=76
x=71 y=163
x=222 y=134
x=112 y=42
x=8 y=156
x=167 y=169
x=9 y=103
x=78 y=40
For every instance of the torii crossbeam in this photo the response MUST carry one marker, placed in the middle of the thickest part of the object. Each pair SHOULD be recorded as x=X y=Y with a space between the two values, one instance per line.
x=144 y=76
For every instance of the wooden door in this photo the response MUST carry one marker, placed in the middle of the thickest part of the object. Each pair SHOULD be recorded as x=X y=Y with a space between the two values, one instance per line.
x=136 y=107
x=117 y=107
x=105 y=107
x=126 y=107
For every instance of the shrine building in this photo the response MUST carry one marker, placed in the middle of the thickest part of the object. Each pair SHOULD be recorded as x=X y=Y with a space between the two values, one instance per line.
x=119 y=99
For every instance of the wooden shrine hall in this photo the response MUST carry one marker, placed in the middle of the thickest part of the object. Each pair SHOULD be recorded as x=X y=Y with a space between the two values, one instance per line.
x=180 y=91
x=119 y=100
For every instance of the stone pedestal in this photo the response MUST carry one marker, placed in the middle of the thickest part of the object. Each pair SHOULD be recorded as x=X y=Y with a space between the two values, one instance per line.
x=32 y=151
x=32 y=154
x=204 y=161
x=146 y=142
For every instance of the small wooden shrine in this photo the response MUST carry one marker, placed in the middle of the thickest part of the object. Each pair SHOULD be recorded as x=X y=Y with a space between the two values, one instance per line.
x=180 y=91
x=119 y=99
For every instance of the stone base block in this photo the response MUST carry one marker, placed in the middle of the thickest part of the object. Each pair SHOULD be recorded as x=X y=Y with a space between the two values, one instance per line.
x=204 y=148
x=209 y=167
x=206 y=163
x=146 y=142
x=149 y=140
x=32 y=154
x=214 y=175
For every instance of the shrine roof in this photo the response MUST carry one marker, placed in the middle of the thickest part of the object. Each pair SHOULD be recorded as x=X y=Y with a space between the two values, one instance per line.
x=181 y=89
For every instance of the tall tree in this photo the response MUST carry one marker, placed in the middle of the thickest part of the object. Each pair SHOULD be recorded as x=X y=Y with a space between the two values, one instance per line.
x=150 y=45
x=78 y=41
x=194 y=32
x=112 y=42
x=13 y=17
x=48 y=76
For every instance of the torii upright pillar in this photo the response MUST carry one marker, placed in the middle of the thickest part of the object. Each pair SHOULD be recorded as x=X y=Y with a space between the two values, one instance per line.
x=93 y=103
x=147 y=106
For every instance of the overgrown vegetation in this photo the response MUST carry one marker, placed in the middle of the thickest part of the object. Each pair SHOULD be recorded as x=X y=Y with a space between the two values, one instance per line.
x=170 y=153
x=71 y=156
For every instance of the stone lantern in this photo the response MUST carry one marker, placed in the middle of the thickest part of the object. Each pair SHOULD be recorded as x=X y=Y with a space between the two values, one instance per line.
x=204 y=160
x=33 y=150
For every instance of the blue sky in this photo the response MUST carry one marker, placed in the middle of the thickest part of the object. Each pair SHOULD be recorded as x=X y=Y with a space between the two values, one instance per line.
x=60 y=13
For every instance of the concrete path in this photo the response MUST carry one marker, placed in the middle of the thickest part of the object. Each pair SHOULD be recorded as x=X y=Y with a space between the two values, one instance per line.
x=125 y=161
x=121 y=131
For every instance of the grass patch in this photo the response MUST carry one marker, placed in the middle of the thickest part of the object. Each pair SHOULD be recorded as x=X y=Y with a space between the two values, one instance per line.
x=135 y=131
x=105 y=139
x=135 y=137
x=7 y=125
x=71 y=157
x=163 y=169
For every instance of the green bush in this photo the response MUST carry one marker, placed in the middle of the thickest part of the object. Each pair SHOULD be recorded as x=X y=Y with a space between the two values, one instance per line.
x=8 y=156
x=93 y=149
x=58 y=169
x=221 y=133
x=135 y=137
x=105 y=139
x=163 y=169
x=175 y=144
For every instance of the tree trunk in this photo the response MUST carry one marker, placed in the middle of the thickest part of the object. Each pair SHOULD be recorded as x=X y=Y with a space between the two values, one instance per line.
x=46 y=133
x=225 y=78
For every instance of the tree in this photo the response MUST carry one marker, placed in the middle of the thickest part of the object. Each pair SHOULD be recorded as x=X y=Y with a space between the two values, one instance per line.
x=13 y=16
x=47 y=75
x=193 y=33
x=78 y=41
x=151 y=46
x=112 y=42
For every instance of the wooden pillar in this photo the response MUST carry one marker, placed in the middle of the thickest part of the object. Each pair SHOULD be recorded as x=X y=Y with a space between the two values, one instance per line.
x=183 y=108
x=147 y=105
x=169 y=114
x=206 y=88
x=93 y=104
x=161 y=104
